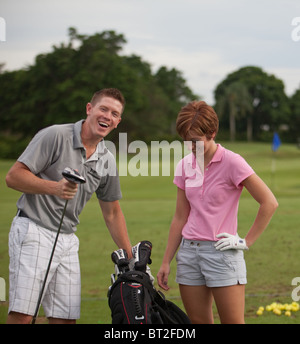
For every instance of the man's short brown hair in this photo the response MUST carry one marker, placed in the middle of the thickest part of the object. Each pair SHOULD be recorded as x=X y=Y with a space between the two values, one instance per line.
x=108 y=92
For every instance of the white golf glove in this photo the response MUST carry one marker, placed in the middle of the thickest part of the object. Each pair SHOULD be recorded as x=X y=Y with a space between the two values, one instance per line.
x=230 y=242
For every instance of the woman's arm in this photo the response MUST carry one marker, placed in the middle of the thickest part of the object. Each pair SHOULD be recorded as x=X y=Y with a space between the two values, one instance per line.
x=179 y=220
x=268 y=204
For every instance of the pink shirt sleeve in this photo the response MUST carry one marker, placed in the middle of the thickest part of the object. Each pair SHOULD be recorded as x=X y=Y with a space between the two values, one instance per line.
x=179 y=178
x=239 y=170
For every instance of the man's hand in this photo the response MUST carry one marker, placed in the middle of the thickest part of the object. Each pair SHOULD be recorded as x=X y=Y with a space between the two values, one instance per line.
x=20 y=178
x=66 y=190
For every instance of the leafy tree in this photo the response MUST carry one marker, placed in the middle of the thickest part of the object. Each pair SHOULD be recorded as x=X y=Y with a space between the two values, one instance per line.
x=56 y=88
x=294 y=124
x=269 y=101
x=237 y=102
x=174 y=86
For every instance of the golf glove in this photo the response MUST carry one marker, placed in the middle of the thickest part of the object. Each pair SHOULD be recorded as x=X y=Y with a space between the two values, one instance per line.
x=230 y=242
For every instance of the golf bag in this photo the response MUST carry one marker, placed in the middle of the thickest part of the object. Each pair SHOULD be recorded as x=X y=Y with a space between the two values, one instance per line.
x=132 y=298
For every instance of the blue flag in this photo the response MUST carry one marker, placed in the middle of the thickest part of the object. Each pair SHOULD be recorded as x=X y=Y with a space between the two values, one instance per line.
x=276 y=142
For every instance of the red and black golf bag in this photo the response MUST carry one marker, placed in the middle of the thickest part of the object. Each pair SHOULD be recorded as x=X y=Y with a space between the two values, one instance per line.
x=133 y=299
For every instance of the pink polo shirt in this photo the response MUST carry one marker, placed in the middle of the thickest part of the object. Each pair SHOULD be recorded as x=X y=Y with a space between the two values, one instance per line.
x=214 y=196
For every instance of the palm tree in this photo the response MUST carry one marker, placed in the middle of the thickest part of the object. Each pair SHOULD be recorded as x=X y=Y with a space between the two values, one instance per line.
x=238 y=102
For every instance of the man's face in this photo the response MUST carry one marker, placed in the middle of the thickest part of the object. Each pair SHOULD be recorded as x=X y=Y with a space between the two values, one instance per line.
x=104 y=116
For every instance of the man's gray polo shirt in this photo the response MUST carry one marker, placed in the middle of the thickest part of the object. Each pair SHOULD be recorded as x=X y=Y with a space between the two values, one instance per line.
x=48 y=154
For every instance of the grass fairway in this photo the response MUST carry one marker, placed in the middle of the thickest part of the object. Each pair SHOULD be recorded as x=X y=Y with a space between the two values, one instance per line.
x=148 y=204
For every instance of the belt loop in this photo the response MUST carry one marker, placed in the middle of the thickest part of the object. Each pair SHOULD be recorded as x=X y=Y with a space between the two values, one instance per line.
x=182 y=242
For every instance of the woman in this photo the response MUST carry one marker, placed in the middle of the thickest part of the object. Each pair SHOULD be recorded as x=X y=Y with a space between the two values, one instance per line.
x=210 y=261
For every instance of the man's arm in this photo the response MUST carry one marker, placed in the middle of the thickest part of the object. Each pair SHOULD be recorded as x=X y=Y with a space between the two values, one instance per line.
x=116 y=224
x=20 y=178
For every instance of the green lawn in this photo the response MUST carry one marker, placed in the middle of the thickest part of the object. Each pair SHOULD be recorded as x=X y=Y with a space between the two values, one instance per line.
x=148 y=204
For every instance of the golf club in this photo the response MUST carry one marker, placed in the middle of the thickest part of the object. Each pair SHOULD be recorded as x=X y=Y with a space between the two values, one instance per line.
x=141 y=253
x=120 y=258
x=73 y=177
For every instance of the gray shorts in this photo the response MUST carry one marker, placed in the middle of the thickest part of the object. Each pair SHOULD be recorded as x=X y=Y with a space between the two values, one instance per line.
x=30 y=247
x=199 y=263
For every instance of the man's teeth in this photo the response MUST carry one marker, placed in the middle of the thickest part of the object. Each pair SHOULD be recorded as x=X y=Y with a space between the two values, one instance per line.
x=102 y=124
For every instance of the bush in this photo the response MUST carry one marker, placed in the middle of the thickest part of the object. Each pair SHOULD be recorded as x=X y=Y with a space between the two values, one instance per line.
x=11 y=147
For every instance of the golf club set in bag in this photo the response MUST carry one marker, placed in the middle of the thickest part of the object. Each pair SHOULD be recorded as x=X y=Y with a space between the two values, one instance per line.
x=132 y=297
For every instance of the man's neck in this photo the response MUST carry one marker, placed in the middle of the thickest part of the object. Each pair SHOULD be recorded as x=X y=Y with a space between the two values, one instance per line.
x=89 y=143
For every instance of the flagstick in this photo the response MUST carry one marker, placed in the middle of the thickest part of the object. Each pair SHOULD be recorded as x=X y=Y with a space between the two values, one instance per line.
x=273 y=169
x=275 y=145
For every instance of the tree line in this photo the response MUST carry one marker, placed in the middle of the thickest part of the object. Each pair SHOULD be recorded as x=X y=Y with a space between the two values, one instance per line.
x=253 y=105
x=56 y=88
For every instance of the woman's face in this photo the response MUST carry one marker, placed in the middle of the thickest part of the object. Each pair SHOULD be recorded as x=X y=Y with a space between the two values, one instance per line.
x=196 y=142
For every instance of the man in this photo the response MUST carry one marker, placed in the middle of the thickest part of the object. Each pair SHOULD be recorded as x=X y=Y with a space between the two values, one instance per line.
x=38 y=175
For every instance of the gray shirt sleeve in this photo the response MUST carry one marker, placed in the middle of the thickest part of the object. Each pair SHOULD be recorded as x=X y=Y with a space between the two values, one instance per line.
x=109 y=189
x=42 y=150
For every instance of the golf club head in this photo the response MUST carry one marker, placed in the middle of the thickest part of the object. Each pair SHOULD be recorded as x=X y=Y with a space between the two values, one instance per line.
x=73 y=176
x=141 y=254
x=120 y=258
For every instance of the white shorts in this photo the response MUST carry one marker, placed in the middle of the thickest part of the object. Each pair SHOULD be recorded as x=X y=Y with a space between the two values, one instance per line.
x=30 y=247
x=199 y=263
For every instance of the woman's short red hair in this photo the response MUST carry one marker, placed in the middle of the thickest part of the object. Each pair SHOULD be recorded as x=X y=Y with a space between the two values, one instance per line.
x=199 y=118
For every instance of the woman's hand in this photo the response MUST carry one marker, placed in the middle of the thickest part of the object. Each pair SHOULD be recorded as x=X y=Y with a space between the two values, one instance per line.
x=162 y=276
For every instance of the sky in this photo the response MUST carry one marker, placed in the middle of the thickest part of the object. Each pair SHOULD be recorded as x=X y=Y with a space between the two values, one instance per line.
x=204 y=39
